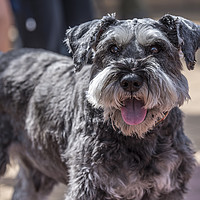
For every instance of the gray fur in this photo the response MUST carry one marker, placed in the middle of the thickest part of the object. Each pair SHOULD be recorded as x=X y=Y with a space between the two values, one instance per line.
x=67 y=127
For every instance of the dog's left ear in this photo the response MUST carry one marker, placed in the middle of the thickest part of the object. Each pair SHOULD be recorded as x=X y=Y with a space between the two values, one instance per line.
x=184 y=34
x=83 y=38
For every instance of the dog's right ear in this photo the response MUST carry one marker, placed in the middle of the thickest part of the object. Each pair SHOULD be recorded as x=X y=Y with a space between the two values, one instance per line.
x=83 y=38
x=185 y=35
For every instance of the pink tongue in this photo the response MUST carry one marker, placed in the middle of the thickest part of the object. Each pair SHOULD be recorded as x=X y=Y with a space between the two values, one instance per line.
x=133 y=112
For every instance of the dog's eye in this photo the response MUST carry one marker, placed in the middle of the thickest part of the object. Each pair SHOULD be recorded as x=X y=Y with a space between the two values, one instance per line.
x=154 y=49
x=114 y=49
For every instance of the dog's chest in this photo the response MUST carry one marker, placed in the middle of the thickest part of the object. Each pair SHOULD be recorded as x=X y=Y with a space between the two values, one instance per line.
x=127 y=182
x=122 y=185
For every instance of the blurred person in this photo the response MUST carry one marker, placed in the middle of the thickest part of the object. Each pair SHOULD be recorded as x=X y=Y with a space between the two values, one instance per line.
x=42 y=23
x=5 y=23
x=133 y=8
x=124 y=9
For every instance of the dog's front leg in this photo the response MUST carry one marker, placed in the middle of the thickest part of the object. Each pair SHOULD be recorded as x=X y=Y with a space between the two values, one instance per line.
x=84 y=190
x=82 y=183
x=92 y=195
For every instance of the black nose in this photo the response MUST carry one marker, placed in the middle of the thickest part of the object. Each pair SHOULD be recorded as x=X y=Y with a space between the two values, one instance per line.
x=131 y=82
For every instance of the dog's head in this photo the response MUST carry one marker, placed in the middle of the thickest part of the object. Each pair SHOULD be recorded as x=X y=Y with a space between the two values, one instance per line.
x=136 y=73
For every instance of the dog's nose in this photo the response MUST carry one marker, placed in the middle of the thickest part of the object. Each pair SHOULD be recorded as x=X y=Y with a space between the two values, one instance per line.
x=131 y=82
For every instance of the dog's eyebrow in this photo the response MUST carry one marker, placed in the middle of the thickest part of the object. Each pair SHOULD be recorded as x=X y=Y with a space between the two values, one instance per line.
x=121 y=34
x=147 y=35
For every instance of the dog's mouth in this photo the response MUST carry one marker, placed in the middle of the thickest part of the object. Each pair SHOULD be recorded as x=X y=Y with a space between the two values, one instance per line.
x=133 y=111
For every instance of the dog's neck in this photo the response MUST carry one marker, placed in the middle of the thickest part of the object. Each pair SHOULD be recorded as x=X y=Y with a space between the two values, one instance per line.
x=165 y=114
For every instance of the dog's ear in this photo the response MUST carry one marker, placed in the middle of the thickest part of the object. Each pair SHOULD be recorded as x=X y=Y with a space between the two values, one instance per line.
x=184 y=34
x=83 y=38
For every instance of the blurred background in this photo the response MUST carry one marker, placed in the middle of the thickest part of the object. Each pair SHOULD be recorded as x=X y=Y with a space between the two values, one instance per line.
x=42 y=24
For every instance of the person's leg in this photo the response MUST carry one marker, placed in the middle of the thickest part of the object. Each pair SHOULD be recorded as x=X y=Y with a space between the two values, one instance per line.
x=40 y=23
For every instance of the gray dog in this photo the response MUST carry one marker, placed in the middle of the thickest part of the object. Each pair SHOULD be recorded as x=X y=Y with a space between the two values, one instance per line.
x=113 y=130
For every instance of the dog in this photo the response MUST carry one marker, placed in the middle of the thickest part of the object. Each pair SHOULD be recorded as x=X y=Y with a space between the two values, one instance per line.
x=112 y=130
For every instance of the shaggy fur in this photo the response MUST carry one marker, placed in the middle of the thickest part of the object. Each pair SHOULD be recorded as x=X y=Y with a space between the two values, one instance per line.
x=69 y=127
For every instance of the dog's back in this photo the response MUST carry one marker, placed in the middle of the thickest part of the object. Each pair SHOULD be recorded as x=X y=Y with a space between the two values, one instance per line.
x=13 y=97
x=21 y=71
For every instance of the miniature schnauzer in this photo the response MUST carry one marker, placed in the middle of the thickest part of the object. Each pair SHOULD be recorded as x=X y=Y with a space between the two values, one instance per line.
x=113 y=130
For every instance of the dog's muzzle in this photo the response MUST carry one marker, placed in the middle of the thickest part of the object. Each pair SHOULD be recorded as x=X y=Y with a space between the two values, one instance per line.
x=133 y=111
